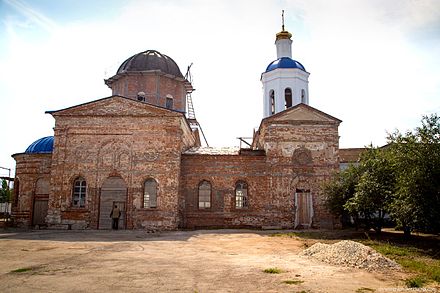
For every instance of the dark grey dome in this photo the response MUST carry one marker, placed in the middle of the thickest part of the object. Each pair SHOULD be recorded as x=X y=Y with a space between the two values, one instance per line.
x=150 y=60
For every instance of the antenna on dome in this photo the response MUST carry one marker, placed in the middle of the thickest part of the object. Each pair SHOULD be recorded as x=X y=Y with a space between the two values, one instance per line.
x=193 y=123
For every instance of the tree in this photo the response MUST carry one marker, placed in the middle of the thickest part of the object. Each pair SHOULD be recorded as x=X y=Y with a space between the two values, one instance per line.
x=5 y=193
x=340 y=189
x=416 y=156
x=374 y=190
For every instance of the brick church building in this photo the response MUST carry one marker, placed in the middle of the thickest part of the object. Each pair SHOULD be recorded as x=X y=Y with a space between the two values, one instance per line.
x=139 y=149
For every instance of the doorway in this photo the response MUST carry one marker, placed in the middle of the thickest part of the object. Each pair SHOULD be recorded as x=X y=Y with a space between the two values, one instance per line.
x=303 y=209
x=41 y=200
x=113 y=192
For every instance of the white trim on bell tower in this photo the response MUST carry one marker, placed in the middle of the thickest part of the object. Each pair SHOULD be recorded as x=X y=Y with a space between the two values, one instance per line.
x=285 y=81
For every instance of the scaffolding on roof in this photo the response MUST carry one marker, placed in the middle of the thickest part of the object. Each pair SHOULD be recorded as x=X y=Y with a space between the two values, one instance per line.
x=191 y=114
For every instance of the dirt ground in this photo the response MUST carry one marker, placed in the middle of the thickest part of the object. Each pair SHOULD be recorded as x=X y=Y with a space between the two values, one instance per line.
x=181 y=261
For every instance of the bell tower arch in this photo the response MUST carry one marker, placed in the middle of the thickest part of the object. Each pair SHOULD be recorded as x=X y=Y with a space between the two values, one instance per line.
x=285 y=81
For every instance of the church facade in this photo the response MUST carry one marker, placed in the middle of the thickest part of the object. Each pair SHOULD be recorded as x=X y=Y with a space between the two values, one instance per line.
x=138 y=149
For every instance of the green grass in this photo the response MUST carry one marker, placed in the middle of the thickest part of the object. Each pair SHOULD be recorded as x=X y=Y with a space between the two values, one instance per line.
x=412 y=259
x=391 y=250
x=22 y=270
x=418 y=256
x=293 y=282
x=273 y=271
x=416 y=282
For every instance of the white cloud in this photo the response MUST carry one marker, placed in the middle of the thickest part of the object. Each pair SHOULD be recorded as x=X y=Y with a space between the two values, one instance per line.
x=364 y=70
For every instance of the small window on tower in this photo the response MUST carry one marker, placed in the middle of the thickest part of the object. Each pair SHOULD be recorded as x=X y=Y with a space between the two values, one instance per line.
x=169 y=102
x=272 y=102
x=303 y=96
x=141 y=96
x=288 y=98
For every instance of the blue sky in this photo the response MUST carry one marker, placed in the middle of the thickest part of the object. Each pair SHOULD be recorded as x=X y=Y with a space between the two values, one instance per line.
x=374 y=64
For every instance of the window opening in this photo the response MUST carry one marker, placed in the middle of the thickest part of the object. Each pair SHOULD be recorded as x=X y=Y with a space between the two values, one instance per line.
x=288 y=98
x=303 y=96
x=79 y=193
x=241 y=195
x=204 y=195
x=141 y=96
x=272 y=102
x=169 y=103
x=150 y=193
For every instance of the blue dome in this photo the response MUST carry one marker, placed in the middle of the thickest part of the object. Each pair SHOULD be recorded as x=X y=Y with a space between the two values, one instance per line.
x=284 y=62
x=41 y=146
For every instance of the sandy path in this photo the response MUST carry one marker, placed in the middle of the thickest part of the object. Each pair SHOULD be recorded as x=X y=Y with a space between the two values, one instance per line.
x=189 y=261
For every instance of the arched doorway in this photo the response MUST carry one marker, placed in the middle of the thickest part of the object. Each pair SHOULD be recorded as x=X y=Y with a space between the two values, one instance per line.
x=113 y=191
x=40 y=204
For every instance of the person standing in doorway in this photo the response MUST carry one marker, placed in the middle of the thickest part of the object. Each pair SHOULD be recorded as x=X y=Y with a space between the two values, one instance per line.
x=115 y=214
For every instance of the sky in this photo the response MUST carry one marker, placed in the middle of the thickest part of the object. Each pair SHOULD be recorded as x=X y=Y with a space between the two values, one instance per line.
x=374 y=64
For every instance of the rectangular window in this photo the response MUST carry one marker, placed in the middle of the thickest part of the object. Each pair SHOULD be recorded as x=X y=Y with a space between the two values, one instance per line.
x=241 y=195
x=79 y=193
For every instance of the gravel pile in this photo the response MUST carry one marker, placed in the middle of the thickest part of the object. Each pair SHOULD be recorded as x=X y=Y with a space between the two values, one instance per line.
x=351 y=254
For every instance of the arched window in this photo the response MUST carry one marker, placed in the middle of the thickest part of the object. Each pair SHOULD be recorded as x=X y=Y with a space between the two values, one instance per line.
x=169 y=103
x=16 y=191
x=150 y=193
x=272 y=102
x=303 y=96
x=204 y=195
x=79 y=193
x=241 y=195
x=288 y=98
x=141 y=96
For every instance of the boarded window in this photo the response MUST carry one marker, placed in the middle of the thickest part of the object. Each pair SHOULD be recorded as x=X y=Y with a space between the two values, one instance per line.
x=150 y=193
x=288 y=98
x=272 y=102
x=241 y=195
x=204 y=195
x=79 y=193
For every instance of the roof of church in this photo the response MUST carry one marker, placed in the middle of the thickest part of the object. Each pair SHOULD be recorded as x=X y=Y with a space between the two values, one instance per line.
x=213 y=151
x=150 y=60
x=111 y=97
x=284 y=62
x=41 y=146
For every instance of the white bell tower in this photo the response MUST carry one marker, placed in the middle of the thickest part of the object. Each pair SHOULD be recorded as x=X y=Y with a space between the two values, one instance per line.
x=285 y=81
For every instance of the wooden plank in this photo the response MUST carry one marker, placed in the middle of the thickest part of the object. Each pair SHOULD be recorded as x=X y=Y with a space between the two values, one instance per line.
x=40 y=212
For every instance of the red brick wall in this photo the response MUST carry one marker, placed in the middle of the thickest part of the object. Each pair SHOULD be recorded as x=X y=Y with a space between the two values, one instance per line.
x=134 y=148
x=265 y=208
x=156 y=86
x=303 y=155
x=29 y=169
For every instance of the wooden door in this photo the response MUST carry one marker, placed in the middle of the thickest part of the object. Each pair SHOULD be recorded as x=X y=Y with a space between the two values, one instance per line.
x=304 y=209
x=41 y=200
x=113 y=191
x=40 y=212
